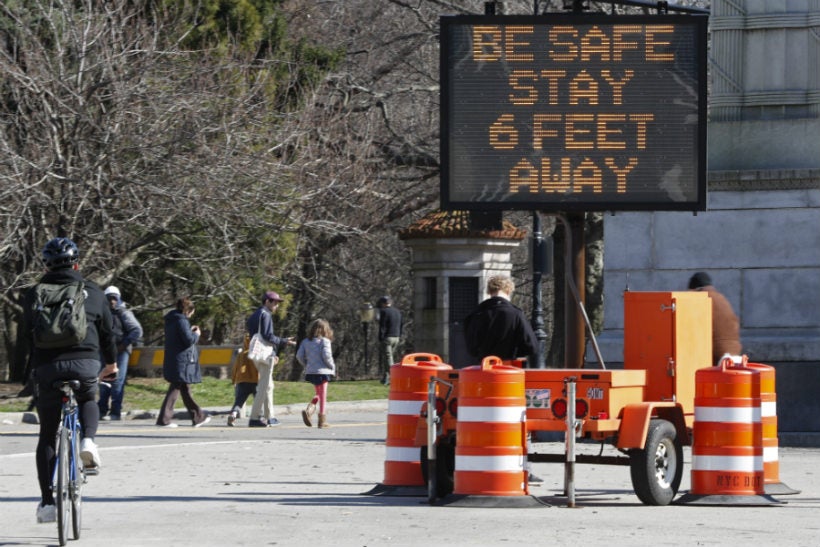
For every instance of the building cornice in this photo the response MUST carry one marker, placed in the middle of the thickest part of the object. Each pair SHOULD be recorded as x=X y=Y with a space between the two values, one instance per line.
x=765 y=179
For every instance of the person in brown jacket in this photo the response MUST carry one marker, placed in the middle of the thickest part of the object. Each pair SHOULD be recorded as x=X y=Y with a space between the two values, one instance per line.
x=725 y=324
x=245 y=379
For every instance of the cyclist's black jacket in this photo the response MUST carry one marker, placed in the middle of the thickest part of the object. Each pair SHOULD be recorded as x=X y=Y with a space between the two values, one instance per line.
x=99 y=340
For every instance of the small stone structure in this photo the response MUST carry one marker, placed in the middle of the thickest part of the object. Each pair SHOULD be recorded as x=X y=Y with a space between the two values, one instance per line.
x=452 y=260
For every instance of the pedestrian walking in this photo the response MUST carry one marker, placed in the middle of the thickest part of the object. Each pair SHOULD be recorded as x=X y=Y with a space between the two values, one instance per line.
x=316 y=356
x=127 y=332
x=180 y=366
x=261 y=322
x=245 y=380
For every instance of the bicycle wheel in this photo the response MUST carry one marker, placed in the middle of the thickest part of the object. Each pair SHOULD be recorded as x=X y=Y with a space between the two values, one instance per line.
x=61 y=494
x=76 y=488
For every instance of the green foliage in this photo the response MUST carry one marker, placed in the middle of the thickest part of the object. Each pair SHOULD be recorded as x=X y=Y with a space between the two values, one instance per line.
x=255 y=29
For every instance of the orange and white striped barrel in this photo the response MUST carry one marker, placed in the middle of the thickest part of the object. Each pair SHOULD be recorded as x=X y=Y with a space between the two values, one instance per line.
x=768 y=419
x=727 y=452
x=491 y=431
x=409 y=381
x=768 y=422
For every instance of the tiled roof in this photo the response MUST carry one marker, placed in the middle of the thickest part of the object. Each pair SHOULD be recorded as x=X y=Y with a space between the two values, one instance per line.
x=443 y=224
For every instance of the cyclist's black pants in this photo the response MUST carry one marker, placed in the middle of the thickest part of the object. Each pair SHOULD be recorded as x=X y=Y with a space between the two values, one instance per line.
x=49 y=405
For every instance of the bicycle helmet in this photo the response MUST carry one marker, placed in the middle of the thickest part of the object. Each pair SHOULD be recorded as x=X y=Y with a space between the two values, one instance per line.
x=60 y=252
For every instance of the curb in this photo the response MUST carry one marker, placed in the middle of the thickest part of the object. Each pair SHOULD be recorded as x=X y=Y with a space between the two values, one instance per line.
x=375 y=405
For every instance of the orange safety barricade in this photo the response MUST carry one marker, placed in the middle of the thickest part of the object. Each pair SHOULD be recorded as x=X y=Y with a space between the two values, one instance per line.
x=727 y=453
x=768 y=420
x=409 y=381
x=491 y=431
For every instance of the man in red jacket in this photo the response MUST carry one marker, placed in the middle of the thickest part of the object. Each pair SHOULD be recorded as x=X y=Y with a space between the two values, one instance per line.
x=725 y=324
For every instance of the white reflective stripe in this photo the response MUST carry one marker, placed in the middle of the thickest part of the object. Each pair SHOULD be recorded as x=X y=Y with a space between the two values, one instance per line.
x=404 y=408
x=723 y=414
x=489 y=463
x=727 y=463
x=769 y=453
x=502 y=414
x=768 y=409
x=402 y=454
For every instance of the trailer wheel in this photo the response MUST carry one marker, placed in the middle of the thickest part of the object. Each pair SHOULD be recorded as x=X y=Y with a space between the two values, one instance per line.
x=445 y=468
x=657 y=469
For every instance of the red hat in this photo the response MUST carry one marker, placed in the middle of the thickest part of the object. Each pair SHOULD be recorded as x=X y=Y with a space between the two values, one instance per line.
x=271 y=295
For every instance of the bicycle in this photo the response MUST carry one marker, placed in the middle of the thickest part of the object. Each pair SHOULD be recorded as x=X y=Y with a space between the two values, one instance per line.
x=69 y=471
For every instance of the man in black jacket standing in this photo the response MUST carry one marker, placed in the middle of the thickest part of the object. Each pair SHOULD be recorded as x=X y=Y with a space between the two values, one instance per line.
x=80 y=361
x=391 y=326
x=497 y=327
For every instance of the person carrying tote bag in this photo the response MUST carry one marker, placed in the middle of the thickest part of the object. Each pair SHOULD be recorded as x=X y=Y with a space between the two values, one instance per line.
x=260 y=349
x=260 y=323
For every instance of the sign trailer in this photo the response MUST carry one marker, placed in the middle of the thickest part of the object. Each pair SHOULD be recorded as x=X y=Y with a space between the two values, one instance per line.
x=564 y=112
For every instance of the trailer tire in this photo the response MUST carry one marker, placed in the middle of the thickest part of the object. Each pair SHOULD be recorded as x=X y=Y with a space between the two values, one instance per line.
x=445 y=468
x=657 y=469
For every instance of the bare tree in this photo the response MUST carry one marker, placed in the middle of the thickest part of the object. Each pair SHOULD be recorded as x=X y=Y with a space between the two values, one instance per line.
x=370 y=154
x=187 y=152
x=161 y=162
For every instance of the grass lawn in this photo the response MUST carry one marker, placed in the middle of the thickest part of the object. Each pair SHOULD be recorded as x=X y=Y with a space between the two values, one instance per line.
x=147 y=393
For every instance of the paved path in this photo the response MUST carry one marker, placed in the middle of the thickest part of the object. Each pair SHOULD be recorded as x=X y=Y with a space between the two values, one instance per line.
x=291 y=485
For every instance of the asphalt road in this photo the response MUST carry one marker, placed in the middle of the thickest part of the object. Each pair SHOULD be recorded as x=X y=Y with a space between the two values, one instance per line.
x=291 y=485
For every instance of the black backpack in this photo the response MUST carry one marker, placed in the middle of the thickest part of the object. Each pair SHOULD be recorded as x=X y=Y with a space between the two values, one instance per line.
x=59 y=315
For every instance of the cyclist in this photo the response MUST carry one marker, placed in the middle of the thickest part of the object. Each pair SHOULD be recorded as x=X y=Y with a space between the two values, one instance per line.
x=81 y=362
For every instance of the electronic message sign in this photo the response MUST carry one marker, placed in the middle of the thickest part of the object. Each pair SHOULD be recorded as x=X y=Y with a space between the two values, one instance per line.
x=573 y=112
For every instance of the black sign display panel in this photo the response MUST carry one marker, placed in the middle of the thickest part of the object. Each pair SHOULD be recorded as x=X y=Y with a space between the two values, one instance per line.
x=573 y=113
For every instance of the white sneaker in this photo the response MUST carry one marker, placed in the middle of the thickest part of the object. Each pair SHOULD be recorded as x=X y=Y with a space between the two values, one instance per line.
x=46 y=513
x=89 y=454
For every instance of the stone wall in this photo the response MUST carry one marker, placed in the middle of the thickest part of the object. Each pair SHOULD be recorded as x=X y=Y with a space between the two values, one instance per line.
x=762 y=249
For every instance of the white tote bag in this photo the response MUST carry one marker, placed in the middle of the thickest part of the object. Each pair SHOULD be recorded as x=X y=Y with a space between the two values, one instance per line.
x=260 y=349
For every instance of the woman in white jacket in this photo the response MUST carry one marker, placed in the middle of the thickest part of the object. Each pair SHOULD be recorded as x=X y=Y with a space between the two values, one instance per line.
x=316 y=356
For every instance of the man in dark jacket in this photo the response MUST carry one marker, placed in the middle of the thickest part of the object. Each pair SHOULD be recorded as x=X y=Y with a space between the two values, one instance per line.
x=725 y=324
x=80 y=361
x=180 y=364
x=391 y=326
x=497 y=327
x=127 y=332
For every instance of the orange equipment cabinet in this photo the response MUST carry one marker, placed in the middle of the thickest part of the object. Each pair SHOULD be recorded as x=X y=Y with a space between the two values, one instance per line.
x=669 y=335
